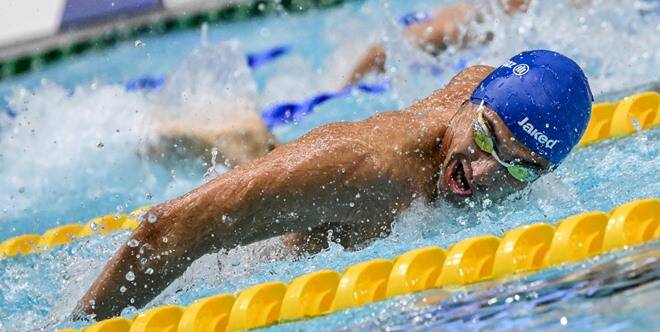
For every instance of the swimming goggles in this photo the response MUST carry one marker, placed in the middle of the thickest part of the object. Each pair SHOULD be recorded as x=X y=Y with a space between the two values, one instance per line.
x=485 y=141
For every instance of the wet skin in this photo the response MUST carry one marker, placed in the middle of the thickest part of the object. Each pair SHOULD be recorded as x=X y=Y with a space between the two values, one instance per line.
x=356 y=177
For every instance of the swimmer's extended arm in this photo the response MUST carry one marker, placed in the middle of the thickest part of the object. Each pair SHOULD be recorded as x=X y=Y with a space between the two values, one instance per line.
x=291 y=189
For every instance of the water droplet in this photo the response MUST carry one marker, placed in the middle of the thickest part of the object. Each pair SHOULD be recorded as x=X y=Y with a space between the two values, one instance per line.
x=149 y=271
x=94 y=226
x=139 y=43
x=133 y=243
x=637 y=125
x=351 y=204
x=148 y=196
x=165 y=239
x=130 y=276
x=151 y=218
x=563 y=321
x=211 y=172
x=122 y=289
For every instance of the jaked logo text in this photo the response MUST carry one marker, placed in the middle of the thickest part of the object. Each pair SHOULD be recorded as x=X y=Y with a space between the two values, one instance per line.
x=536 y=134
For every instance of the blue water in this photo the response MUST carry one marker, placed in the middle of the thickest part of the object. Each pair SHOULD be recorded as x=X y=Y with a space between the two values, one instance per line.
x=71 y=153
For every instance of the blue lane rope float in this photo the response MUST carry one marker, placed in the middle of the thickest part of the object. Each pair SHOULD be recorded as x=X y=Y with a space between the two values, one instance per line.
x=9 y=112
x=145 y=83
x=291 y=111
x=414 y=17
x=254 y=61
x=258 y=59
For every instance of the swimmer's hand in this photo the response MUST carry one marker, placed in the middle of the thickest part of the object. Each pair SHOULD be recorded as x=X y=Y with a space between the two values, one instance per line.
x=237 y=141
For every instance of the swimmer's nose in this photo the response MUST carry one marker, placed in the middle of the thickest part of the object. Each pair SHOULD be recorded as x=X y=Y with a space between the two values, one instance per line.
x=485 y=172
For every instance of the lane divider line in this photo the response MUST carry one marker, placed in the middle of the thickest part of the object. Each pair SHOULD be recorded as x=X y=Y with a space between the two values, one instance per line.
x=522 y=250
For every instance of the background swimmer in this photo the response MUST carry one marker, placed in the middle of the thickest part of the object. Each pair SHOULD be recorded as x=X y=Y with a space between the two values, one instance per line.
x=446 y=26
x=460 y=143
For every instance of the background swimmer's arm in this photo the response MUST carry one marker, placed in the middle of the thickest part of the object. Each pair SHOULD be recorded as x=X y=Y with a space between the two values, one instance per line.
x=296 y=187
x=372 y=60
x=237 y=141
x=442 y=29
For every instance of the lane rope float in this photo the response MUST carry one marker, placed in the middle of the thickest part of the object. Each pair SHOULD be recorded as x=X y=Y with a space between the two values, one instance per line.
x=254 y=61
x=289 y=112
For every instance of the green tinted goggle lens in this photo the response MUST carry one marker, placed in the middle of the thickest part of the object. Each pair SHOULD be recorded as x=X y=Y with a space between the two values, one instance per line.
x=521 y=173
x=484 y=141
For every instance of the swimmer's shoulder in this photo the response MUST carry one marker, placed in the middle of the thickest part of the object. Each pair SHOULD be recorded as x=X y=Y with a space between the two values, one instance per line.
x=471 y=75
x=458 y=90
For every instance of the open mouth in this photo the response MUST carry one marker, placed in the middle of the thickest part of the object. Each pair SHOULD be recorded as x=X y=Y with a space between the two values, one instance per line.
x=457 y=181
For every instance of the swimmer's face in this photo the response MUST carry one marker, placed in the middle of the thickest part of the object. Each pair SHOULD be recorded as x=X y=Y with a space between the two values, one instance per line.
x=469 y=172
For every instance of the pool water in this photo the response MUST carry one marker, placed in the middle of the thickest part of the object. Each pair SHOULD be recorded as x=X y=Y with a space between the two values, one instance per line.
x=72 y=153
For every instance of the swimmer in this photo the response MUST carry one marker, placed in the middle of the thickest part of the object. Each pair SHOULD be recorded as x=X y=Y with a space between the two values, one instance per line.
x=486 y=134
x=447 y=26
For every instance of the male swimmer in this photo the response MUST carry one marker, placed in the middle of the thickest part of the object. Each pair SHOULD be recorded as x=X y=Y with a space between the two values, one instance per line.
x=486 y=134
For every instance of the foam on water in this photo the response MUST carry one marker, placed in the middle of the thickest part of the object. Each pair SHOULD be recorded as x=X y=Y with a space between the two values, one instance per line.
x=60 y=138
x=73 y=155
x=211 y=85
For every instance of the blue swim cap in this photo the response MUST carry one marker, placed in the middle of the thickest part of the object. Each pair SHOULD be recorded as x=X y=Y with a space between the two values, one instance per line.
x=543 y=97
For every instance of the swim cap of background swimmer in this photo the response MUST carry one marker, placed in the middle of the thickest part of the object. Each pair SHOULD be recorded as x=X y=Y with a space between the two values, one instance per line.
x=543 y=97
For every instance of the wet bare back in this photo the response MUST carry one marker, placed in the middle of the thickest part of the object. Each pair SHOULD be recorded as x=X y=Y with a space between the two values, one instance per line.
x=360 y=174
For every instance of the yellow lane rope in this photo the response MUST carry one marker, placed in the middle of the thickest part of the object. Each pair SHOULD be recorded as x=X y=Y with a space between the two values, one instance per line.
x=522 y=250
